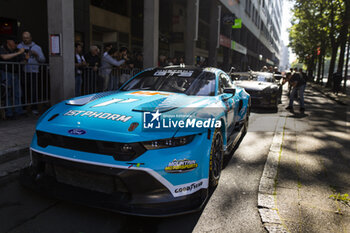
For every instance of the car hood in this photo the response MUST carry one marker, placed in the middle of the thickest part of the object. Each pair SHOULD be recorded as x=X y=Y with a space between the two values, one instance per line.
x=253 y=85
x=109 y=116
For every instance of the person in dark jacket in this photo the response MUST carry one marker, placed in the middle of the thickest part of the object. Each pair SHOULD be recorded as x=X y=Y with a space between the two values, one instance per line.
x=80 y=63
x=298 y=85
x=93 y=61
x=92 y=58
x=337 y=78
x=10 y=75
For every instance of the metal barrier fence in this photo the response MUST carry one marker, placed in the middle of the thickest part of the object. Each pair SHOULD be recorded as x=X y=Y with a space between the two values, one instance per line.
x=21 y=88
x=23 y=84
x=93 y=82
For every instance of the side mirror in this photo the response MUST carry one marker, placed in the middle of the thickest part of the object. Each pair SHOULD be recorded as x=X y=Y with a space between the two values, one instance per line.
x=229 y=90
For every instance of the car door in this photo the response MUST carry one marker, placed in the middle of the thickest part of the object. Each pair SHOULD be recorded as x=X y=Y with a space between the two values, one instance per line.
x=228 y=101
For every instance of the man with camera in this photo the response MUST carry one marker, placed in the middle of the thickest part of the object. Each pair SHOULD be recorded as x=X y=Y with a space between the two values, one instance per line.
x=31 y=82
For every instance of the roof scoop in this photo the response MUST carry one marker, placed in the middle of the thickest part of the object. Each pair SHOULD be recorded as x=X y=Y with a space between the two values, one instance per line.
x=80 y=101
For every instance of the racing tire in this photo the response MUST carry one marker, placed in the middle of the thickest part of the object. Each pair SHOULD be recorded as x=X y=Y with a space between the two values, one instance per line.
x=216 y=159
x=246 y=122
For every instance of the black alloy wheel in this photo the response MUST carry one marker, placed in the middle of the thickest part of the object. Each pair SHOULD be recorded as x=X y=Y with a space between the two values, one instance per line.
x=216 y=159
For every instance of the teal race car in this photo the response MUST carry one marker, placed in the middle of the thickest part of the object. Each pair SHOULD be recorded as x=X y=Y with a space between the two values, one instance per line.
x=155 y=147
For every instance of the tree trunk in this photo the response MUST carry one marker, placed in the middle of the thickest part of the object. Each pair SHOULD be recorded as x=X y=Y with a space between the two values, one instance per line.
x=342 y=41
x=343 y=36
x=322 y=68
x=310 y=69
x=319 y=63
x=334 y=46
x=347 y=63
x=332 y=65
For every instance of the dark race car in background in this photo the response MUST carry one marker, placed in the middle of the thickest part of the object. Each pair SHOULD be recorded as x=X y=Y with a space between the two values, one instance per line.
x=264 y=88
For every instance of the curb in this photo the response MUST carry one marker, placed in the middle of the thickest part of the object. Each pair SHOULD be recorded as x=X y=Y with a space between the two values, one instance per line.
x=267 y=188
x=13 y=153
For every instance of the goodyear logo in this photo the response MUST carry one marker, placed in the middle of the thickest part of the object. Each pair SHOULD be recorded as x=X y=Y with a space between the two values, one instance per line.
x=179 y=166
x=189 y=188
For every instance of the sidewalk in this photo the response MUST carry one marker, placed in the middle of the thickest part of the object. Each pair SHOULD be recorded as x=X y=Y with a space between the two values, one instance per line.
x=15 y=137
x=309 y=171
x=341 y=98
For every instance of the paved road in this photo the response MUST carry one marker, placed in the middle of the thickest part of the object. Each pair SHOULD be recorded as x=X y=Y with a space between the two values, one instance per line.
x=231 y=208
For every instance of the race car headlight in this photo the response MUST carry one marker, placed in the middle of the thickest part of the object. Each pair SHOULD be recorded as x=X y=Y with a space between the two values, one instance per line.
x=169 y=142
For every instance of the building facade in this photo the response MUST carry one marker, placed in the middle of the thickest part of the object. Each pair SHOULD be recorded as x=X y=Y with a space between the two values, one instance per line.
x=244 y=34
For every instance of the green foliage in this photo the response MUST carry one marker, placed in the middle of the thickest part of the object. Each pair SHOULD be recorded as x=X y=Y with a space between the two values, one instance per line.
x=343 y=198
x=314 y=24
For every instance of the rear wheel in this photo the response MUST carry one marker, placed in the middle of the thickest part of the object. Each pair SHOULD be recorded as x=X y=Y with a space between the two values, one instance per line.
x=216 y=159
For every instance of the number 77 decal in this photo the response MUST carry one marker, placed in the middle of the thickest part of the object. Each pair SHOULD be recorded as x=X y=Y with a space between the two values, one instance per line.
x=112 y=101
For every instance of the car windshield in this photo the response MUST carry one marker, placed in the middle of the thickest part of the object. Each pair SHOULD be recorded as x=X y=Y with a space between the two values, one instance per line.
x=263 y=77
x=189 y=82
x=242 y=78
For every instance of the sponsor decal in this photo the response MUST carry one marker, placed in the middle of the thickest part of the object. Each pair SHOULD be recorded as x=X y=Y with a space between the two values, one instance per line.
x=133 y=126
x=180 y=73
x=100 y=115
x=77 y=131
x=112 y=101
x=189 y=188
x=135 y=164
x=149 y=93
x=180 y=166
x=153 y=120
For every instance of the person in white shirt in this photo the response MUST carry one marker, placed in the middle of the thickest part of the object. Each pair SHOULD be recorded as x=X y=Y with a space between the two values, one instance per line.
x=107 y=63
x=107 y=48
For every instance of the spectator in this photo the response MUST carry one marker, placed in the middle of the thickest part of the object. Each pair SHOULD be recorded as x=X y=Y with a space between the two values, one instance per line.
x=302 y=86
x=93 y=60
x=107 y=48
x=138 y=63
x=264 y=69
x=270 y=69
x=107 y=64
x=298 y=84
x=175 y=62
x=118 y=77
x=10 y=74
x=337 y=78
x=162 y=61
x=181 y=61
x=30 y=81
x=275 y=70
x=80 y=63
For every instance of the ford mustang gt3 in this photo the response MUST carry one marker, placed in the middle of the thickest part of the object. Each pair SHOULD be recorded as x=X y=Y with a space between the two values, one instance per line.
x=155 y=147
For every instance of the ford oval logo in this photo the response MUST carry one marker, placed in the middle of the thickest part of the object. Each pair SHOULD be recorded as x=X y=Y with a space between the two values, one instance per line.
x=77 y=131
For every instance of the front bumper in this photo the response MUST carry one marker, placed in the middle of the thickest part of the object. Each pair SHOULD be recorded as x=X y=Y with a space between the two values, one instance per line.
x=121 y=190
x=264 y=100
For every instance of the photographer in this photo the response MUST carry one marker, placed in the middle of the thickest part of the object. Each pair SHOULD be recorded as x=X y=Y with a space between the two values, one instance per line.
x=30 y=81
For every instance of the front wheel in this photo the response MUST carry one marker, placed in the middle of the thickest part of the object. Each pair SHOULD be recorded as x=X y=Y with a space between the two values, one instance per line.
x=216 y=159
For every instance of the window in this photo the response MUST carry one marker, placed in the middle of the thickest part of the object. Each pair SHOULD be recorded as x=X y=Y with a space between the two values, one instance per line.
x=224 y=82
x=248 y=5
x=120 y=7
